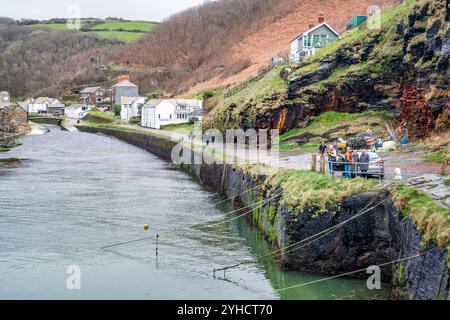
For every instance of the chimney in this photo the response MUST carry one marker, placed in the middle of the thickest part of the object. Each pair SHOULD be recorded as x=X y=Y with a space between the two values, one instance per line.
x=311 y=25
x=321 y=17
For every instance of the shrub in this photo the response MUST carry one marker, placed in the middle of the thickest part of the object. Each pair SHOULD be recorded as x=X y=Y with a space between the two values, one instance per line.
x=116 y=109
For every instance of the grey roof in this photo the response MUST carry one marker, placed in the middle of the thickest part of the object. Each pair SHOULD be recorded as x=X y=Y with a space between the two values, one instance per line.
x=197 y=113
x=191 y=103
x=90 y=89
x=57 y=105
x=23 y=105
x=129 y=100
x=152 y=103
x=314 y=28
x=41 y=100
x=124 y=83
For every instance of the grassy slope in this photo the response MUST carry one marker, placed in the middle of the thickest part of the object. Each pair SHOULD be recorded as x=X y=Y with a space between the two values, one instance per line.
x=257 y=91
x=342 y=123
x=126 y=25
x=305 y=190
x=180 y=128
x=432 y=220
x=121 y=36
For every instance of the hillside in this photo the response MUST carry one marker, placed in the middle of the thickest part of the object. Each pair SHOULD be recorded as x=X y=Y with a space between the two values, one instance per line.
x=225 y=41
x=402 y=68
x=273 y=39
x=46 y=61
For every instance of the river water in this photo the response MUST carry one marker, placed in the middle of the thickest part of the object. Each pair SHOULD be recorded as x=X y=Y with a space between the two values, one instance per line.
x=75 y=193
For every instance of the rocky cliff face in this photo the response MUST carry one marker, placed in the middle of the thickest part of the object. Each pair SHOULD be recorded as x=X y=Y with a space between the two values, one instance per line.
x=377 y=237
x=404 y=67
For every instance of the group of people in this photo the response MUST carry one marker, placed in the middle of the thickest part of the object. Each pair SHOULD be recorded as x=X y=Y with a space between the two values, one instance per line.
x=355 y=164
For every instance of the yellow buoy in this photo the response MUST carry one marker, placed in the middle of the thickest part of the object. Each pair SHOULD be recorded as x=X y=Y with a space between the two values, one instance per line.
x=146 y=227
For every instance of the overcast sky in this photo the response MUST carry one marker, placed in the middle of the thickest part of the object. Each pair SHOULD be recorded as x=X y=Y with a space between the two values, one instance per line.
x=155 y=10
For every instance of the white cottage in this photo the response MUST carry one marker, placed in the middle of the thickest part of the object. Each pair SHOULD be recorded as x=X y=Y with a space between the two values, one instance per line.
x=158 y=113
x=131 y=107
x=76 y=111
x=308 y=43
x=4 y=97
x=42 y=104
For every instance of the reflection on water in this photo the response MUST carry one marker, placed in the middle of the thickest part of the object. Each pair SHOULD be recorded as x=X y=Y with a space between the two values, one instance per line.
x=79 y=192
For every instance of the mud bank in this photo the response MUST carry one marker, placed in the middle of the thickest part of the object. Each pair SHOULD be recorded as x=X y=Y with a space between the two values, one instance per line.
x=380 y=236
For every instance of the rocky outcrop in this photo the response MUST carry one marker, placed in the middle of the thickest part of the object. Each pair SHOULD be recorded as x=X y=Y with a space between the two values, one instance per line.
x=402 y=68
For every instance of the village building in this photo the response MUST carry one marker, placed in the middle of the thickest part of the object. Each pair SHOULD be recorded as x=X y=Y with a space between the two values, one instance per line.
x=131 y=107
x=159 y=113
x=25 y=105
x=124 y=88
x=13 y=118
x=41 y=104
x=76 y=111
x=4 y=97
x=356 y=21
x=56 y=109
x=93 y=95
x=196 y=115
x=311 y=41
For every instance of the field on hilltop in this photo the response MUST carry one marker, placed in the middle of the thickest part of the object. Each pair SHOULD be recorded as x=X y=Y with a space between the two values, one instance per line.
x=113 y=29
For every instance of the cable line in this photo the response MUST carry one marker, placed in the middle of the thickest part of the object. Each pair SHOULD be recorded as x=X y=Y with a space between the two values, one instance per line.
x=356 y=271
x=322 y=233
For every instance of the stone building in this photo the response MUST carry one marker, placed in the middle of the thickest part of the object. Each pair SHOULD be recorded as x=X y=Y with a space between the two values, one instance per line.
x=124 y=88
x=13 y=118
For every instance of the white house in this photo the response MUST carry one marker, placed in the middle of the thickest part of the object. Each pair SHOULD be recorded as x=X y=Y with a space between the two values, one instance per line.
x=4 y=97
x=158 y=113
x=308 y=43
x=41 y=104
x=131 y=107
x=76 y=111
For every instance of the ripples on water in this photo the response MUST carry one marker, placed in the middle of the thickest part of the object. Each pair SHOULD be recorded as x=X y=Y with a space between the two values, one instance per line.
x=78 y=192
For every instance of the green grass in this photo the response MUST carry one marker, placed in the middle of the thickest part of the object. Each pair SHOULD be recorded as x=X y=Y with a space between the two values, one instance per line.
x=126 y=25
x=117 y=29
x=100 y=117
x=3 y=149
x=344 y=124
x=432 y=220
x=389 y=18
x=118 y=35
x=180 y=128
x=437 y=156
x=447 y=182
x=332 y=119
x=52 y=26
x=305 y=190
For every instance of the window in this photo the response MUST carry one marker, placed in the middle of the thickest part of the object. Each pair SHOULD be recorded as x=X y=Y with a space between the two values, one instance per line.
x=306 y=41
x=170 y=117
x=159 y=116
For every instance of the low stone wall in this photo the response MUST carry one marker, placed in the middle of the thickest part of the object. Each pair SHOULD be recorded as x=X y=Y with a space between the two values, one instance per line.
x=47 y=120
x=378 y=237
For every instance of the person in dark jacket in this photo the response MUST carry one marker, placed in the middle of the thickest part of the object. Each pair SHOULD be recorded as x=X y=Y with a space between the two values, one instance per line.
x=322 y=148
x=364 y=163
